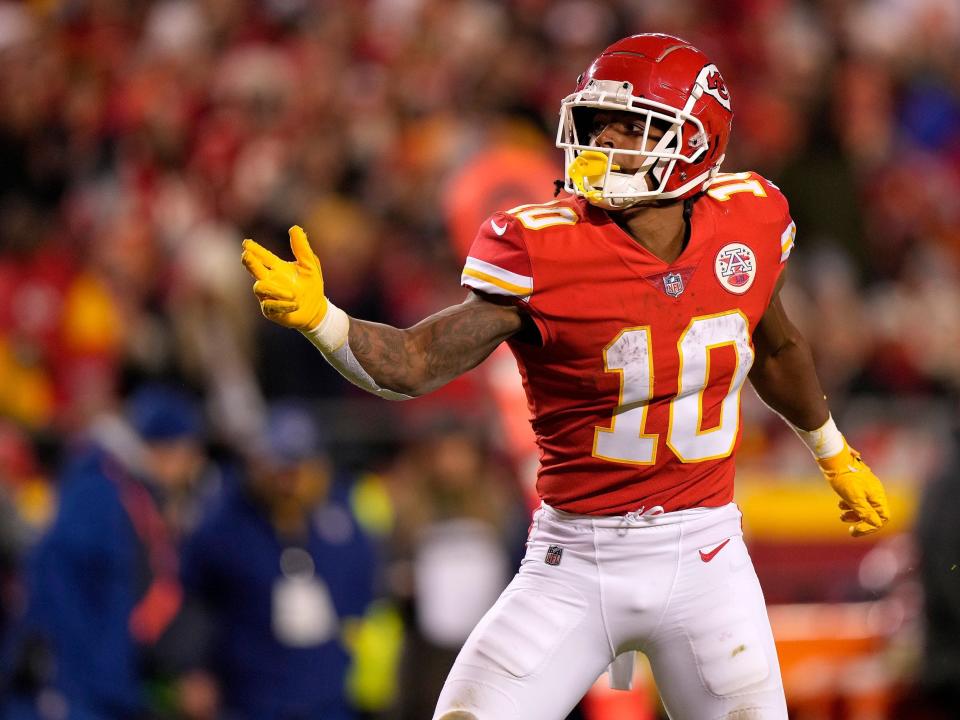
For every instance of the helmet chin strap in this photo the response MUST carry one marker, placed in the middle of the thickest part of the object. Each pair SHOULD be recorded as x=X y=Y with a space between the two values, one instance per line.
x=627 y=184
x=590 y=169
x=590 y=176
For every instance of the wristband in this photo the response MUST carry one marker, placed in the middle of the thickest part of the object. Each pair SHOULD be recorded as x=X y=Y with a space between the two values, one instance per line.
x=332 y=332
x=824 y=442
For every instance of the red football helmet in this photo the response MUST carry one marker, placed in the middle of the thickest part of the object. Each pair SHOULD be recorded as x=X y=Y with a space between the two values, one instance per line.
x=670 y=84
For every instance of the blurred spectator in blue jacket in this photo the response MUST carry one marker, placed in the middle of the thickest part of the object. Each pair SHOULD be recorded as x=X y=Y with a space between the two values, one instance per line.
x=282 y=569
x=105 y=606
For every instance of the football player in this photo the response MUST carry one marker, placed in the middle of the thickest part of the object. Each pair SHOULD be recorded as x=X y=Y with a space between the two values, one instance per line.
x=636 y=305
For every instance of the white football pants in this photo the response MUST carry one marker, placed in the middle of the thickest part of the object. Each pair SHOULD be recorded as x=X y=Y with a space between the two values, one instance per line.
x=679 y=587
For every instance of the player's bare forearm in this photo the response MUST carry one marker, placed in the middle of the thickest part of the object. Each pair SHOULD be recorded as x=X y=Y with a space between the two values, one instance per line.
x=783 y=372
x=436 y=350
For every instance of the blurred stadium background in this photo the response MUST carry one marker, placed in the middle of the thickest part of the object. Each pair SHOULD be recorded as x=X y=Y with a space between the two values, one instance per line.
x=141 y=141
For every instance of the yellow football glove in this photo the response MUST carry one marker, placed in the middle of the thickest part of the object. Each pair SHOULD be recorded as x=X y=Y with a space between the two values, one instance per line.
x=863 y=500
x=587 y=170
x=290 y=293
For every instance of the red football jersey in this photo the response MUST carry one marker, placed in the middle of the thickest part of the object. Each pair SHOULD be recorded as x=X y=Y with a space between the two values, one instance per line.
x=635 y=392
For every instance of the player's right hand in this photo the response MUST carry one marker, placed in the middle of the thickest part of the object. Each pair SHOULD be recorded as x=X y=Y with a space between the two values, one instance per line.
x=863 y=501
x=290 y=293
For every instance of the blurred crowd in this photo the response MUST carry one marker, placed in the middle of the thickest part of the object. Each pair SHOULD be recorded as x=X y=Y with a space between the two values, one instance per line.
x=247 y=510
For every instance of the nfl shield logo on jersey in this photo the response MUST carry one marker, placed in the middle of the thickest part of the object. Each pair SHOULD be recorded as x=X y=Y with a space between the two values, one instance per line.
x=554 y=553
x=673 y=284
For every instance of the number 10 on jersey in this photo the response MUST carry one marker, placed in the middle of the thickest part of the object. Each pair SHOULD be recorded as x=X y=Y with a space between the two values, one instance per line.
x=631 y=355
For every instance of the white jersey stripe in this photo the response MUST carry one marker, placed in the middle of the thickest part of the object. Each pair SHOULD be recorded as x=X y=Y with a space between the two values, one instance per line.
x=491 y=288
x=523 y=283
x=786 y=241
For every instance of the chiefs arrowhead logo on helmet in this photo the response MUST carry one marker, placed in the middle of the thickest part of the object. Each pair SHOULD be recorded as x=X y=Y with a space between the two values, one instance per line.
x=714 y=85
x=715 y=82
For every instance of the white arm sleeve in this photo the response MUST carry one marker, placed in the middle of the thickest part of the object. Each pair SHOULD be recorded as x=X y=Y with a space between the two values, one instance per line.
x=331 y=338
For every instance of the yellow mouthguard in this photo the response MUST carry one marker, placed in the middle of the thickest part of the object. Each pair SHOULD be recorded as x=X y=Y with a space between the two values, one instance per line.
x=587 y=170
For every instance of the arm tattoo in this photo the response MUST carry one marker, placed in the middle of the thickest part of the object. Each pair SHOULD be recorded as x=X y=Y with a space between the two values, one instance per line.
x=434 y=351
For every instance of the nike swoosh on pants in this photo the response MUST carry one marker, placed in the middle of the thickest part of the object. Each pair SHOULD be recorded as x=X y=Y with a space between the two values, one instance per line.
x=708 y=556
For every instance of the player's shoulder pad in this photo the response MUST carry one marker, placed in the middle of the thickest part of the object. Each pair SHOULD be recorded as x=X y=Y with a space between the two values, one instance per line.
x=538 y=217
x=501 y=227
x=498 y=262
x=751 y=199
x=749 y=192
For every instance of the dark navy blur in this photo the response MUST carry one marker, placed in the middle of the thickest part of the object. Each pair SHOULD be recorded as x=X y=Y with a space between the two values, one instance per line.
x=281 y=567
x=105 y=609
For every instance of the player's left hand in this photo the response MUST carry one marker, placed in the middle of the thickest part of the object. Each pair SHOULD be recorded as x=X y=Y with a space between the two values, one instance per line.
x=863 y=501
